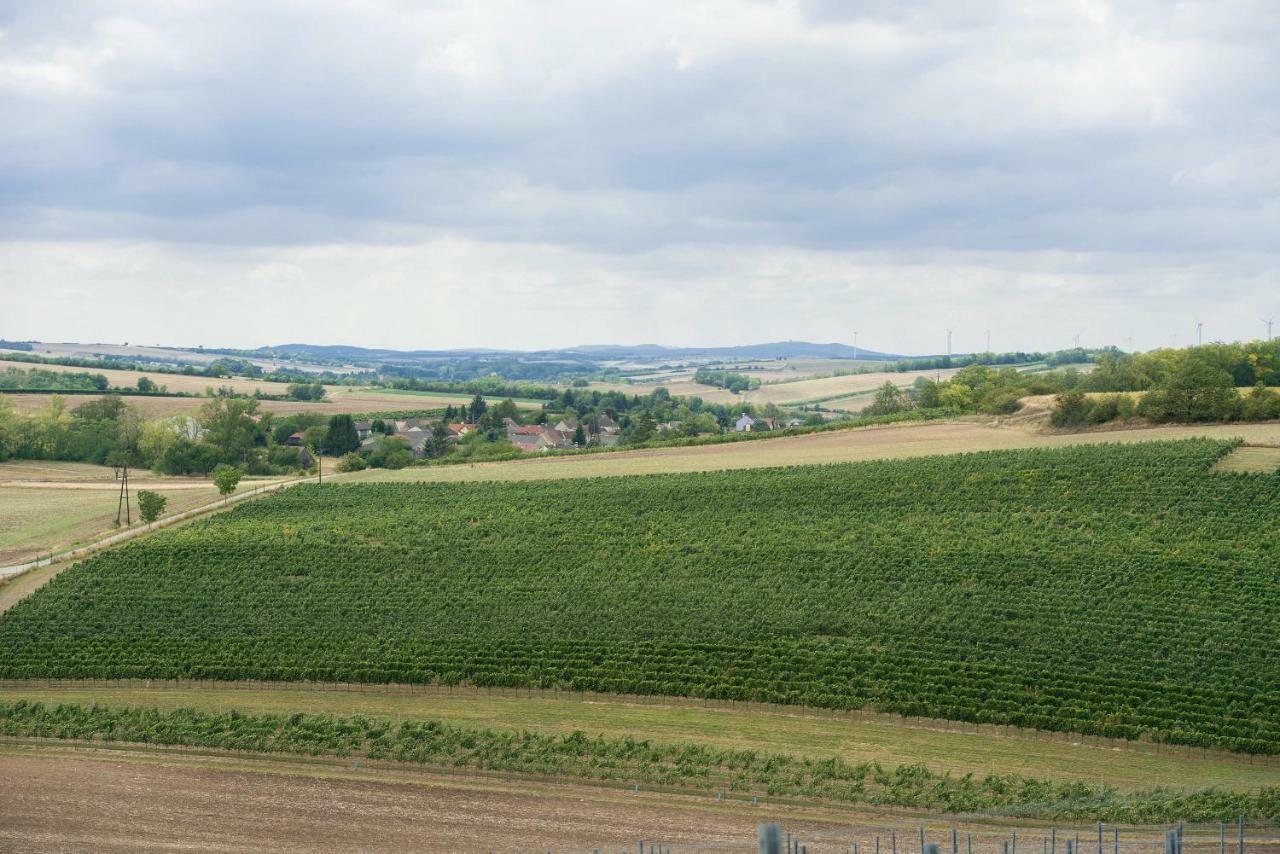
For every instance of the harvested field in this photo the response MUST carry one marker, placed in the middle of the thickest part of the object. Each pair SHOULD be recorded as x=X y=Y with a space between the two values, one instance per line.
x=342 y=399
x=870 y=443
x=782 y=394
x=174 y=382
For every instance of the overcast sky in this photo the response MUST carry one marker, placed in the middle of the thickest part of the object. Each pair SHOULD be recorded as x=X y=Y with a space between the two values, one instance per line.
x=541 y=174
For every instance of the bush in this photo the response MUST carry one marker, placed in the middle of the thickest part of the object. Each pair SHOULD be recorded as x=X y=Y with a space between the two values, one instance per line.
x=1071 y=410
x=352 y=462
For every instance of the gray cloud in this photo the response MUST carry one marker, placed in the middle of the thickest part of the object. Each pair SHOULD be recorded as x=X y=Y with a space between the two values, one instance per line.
x=1140 y=137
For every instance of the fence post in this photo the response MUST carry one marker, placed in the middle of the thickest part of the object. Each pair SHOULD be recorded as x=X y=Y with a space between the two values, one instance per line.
x=1115 y=840
x=922 y=849
x=1222 y=838
x=955 y=844
x=1240 y=833
x=1099 y=837
x=1053 y=840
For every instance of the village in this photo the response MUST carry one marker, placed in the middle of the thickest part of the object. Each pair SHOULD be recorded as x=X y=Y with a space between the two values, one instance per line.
x=566 y=433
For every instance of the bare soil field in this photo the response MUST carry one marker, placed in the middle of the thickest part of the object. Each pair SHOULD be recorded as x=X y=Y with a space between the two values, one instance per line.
x=53 y=797
x=870 y=443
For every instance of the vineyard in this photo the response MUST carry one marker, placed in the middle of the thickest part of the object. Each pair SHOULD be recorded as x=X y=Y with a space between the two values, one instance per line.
x=1114 y=590
x=628 y=761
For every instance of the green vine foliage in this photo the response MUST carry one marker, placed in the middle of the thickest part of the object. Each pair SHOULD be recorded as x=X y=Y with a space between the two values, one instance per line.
x=1117 y=590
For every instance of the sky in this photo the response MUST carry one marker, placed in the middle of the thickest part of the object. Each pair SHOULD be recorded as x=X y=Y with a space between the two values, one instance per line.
x=535 y=175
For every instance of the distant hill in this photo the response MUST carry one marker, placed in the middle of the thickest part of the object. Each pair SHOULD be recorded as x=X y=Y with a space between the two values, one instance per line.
x=774 y=350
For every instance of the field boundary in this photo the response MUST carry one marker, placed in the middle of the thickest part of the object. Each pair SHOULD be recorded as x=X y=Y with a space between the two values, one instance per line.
x=658 y=700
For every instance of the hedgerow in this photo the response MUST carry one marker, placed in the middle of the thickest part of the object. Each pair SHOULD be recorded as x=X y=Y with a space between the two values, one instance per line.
x=1118 y=590
x=628 y=760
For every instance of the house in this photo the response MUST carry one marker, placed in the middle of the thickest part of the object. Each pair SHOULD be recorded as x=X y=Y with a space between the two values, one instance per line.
x=295 y=440
x=364 y=429
x=566 y=425
x=539 y=437
x=795 y=422
x=417 y=438
x=458 y=430
x=744 y=424
x=668 y=426
x=607 y=432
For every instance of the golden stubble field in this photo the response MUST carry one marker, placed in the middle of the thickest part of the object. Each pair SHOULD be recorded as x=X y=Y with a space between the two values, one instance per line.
x=341 y=400
x=898 y=441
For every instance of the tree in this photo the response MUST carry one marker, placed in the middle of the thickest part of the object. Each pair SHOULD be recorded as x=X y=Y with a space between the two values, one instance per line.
x=1196 y=390
x=306 y=391
x=957 y=397
x=315 y=438
x=579 y=437
x=478 y=407
x=230 y=427
x=145 y=385
x=888 y=400
x=342 y=437
x=150 y=505
x=8 y=429
x=226 y=478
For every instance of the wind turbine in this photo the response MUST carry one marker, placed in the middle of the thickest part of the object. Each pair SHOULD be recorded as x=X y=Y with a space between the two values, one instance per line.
x=948 y=343
x=855 y=346
x=1199 y=333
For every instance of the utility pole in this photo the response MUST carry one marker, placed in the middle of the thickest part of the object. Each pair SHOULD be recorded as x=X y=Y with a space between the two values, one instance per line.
x=1269 y=322
x=122 y=474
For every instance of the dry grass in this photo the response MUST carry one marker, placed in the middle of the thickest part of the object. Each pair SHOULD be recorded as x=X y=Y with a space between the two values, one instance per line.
x=45 y=519
x=1251 y=460
x=49 y=505
x=872 y=443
